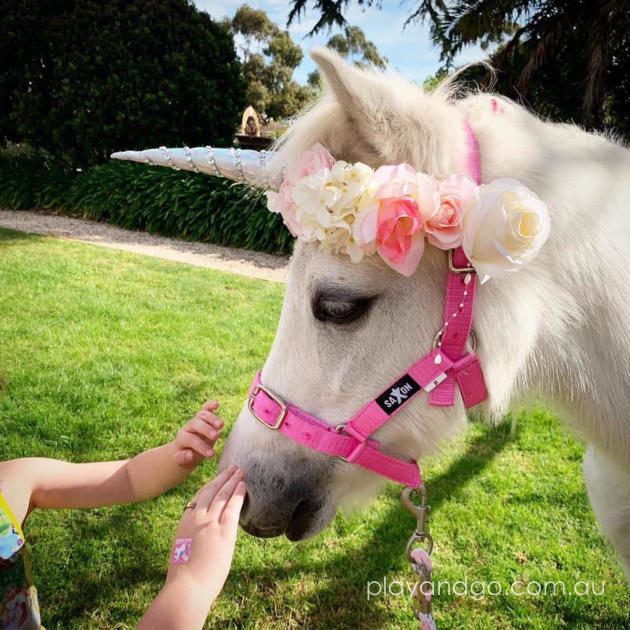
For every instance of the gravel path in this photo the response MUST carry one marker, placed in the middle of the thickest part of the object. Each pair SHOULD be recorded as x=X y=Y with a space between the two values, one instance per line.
x=241 y=261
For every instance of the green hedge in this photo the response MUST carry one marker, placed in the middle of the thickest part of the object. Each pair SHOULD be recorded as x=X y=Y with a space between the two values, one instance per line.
x=162 y=201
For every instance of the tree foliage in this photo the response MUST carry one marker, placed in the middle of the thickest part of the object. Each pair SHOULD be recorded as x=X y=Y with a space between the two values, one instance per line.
x=85 y=78
x=353 y=44
x=331 y=12
x=563 y=56
x=567 y=59
x=254 y=26
x=270 y=58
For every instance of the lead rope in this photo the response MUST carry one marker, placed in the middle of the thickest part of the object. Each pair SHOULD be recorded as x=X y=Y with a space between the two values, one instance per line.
x=420 y=557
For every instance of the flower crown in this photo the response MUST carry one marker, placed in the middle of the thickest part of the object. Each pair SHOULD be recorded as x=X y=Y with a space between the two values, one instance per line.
x=359 y=211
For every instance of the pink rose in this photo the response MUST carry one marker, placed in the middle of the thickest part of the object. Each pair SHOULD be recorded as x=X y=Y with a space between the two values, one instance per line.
x=444 y=227
x=399 y=234
x=282 y=202
x=392 y=221
x=395 y=181
x=311 y=161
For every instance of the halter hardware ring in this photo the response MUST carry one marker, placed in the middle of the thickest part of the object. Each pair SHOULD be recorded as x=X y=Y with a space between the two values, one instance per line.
x=276 y=399
x=421 y=537
x=473 y=339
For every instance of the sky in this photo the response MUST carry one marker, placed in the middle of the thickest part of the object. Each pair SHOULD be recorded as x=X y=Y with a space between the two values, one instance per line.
x=409 y=50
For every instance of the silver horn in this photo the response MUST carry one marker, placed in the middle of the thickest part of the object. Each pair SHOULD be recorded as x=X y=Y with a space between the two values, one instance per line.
x=251 y=167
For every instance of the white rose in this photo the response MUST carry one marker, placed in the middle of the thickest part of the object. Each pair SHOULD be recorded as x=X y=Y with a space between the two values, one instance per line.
x=505 y=228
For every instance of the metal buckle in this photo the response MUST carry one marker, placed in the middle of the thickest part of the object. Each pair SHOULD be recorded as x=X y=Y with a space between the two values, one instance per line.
x=276 y=399
x=454 y=269
x=340 y=428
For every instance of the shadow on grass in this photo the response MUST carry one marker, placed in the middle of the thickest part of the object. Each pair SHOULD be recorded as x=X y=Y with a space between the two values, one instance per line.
x=339 y=601
x=10 y=237
x=383 y=552
x=110 y=552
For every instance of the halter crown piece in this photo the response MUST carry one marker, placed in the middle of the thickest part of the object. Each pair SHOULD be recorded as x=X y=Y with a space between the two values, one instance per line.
x=488 y=230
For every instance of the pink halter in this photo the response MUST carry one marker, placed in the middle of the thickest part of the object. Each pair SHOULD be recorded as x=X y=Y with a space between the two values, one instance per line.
x=437 y=373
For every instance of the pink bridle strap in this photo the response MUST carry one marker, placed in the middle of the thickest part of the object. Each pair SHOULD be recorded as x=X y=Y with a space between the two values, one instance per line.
x=351 y=442
x=473 y=159
x=458 y=314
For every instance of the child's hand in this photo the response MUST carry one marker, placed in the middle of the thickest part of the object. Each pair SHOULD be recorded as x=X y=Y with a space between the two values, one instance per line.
x=195 y=440
x=201 y=555
x=205 y=539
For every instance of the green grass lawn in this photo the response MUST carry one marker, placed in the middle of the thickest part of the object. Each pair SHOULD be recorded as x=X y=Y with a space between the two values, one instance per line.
x=106 y=353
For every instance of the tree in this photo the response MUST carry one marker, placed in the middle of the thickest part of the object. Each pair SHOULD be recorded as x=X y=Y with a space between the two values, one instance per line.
x=83 y=79
x=350 y=44
x=353 y=43
x=580 y=45
x=577 y=41
x=254 y=25
x=270 y=58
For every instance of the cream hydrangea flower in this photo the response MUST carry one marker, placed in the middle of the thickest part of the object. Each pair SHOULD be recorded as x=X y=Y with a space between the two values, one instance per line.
x=326 y=205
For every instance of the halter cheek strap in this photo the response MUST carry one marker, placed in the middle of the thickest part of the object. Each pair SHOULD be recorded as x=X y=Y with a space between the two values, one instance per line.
x=438 y=373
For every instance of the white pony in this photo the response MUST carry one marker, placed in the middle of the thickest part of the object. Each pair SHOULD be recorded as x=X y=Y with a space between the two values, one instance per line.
x=559 y=328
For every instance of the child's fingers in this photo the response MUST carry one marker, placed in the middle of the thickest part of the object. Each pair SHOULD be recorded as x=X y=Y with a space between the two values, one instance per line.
x=185 y=457
x=210 y=418
x=203 y=428
x=232 y=510
x=211 y=405
x=197 y=443
x=207 y=493
x=218 y=503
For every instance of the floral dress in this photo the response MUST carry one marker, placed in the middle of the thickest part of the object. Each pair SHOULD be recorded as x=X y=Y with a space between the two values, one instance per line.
x=19 y=609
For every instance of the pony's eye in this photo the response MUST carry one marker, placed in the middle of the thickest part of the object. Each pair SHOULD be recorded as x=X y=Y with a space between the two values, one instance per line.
x=339 y=309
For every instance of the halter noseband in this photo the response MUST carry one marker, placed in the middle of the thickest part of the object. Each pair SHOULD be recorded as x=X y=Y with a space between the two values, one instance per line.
x=437 y=373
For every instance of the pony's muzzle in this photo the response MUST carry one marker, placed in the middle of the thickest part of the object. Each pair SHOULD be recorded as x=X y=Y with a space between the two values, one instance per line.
x=298 y=526
x=288 y=486
x=279 y=503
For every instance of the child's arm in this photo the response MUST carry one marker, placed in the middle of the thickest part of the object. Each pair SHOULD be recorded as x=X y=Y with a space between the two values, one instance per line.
x=201 y=556
x=55 y=484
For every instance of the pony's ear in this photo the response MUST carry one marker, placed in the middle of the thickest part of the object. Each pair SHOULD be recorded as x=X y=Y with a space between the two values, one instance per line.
x=337 y=74
x=396 y=118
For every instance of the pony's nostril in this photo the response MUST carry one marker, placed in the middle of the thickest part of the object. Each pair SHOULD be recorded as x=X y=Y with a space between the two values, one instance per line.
x=245 y=505
x=302 y=519
x=301 y=509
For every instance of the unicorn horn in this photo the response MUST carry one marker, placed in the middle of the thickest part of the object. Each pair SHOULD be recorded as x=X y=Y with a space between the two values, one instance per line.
x=252 y=167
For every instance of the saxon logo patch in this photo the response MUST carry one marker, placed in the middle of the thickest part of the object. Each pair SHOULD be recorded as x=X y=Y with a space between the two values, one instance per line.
x=398 y=394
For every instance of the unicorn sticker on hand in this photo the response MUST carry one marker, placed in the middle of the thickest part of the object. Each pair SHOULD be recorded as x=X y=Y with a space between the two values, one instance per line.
x=181 y=551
